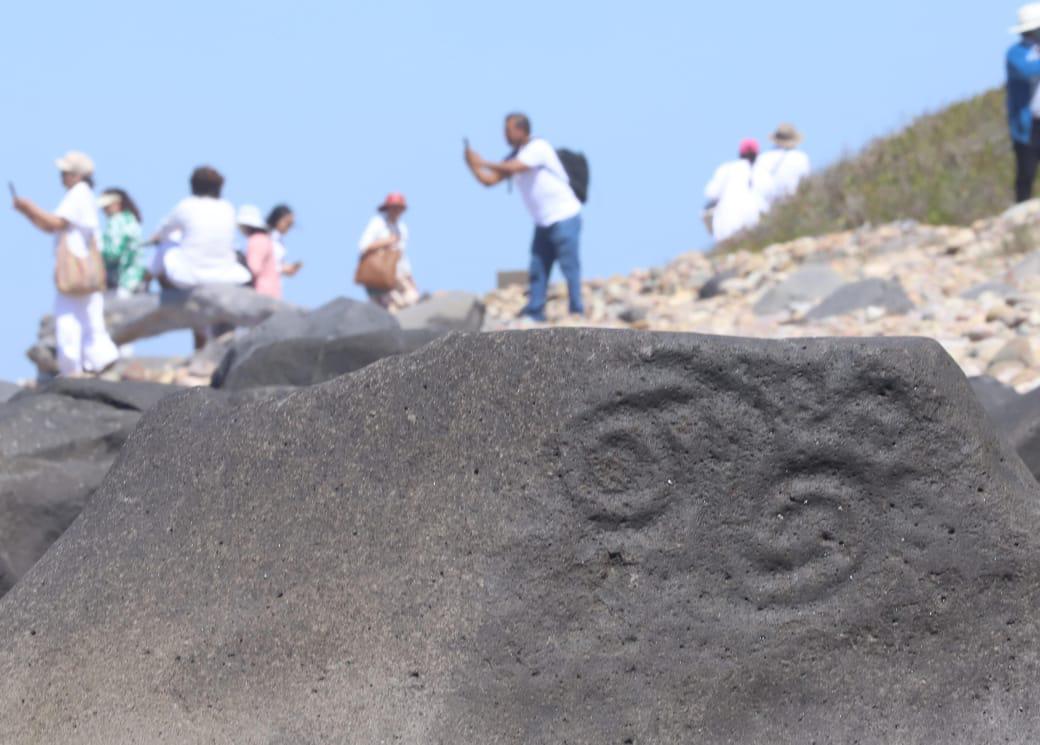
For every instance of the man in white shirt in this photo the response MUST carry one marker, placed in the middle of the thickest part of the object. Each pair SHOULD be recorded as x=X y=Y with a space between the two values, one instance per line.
x=556 y=211
x=736 y=194
x=785 y=166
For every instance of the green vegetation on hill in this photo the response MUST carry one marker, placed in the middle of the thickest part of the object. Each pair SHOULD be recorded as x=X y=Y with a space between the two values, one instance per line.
x=947 y=168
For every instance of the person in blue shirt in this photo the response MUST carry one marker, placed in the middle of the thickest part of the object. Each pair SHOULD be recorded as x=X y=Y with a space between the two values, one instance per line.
x=1023 y=101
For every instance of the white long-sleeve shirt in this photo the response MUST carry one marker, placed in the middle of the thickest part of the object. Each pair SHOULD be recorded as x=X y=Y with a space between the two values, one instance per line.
x=785 y=169
x=738 y=196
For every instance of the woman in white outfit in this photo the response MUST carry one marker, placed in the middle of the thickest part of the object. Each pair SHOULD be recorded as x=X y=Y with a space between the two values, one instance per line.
x=387 y=230
x=738 y=194
x=84 y=345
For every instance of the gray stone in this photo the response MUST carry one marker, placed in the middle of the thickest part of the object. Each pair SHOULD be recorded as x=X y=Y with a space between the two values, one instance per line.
x=54 y=451
x=297 y=349
x=1019 y=422
x=713 y=287
x=563 y=536
x=992 y=394
x=633 y=314
x=449 y=311
x=143 y=316
x=1002 y=289
x=867 y=293
x=135 y=396
x=8 y=390
x=810 y=283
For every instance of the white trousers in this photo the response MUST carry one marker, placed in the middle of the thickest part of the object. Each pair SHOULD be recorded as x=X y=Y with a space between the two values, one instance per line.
x=83 y=341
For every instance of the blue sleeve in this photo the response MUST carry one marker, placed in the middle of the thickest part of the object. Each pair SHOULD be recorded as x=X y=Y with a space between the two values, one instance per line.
x=1019 y=64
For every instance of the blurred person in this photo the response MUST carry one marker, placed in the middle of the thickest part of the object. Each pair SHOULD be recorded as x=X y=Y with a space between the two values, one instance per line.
x=198 y=240
x=546 y=191
x=386 y=230
x=121 y=242
x=260 y=256
x=280 y=220
x=735 y=194
x=784 y=167
x=83 y=343
x=1023 y=99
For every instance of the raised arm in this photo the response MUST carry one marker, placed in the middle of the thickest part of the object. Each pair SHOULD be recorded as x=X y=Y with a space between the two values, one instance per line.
x=45 y=221
x=490 y=173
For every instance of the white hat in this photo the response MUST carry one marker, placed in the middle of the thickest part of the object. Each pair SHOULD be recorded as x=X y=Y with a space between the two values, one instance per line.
x=1028 y=19
x=249 y=216
x=107 y=199
x=75 y=162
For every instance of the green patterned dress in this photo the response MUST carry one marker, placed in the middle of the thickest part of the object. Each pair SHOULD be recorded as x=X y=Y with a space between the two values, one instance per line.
x=120 y=248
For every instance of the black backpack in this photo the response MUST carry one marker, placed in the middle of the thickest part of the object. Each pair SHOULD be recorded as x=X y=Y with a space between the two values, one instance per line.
x=577 y=167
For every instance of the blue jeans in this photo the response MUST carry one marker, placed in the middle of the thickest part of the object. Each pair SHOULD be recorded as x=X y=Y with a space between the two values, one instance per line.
x=558 y=242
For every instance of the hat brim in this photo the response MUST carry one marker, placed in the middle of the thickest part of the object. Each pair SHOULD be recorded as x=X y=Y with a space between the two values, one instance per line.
x=65 y=167
x=384 y=207
x=253 y=225
x=785 y=141
x=1024 y=28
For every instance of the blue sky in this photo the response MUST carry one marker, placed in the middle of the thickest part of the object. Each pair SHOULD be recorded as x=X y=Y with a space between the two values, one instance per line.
x=329 y=105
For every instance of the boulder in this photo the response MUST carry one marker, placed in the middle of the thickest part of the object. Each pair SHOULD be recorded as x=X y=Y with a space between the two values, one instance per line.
x=449 y=311
x=8 y=390
x=868 y=293
x=808 y=284
x=143 y=316
x=297 y=348
x=1018 y=421
x=992 y=394
x=130 y=395
x=56 y=445
x=675 y=539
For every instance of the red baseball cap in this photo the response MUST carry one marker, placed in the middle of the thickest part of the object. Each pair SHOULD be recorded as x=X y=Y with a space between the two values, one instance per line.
x=749 y=147
x=394 y=199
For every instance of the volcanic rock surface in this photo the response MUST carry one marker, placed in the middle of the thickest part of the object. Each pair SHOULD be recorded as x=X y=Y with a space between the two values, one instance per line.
x=56 y=445
x=552 y=536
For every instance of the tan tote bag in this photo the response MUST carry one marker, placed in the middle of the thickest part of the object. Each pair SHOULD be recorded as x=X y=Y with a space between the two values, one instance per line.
x=377 y=270
x=79 y=275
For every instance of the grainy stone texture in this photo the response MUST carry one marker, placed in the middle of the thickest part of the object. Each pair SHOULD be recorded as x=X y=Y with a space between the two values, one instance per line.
x=56 y=445
x=567 y=537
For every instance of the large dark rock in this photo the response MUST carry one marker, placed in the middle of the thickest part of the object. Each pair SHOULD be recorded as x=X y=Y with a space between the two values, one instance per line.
x=580 y=537
x=873 y=292
x=1019 y=422
x=298 y=348
x=992 y=394
x=55 y=447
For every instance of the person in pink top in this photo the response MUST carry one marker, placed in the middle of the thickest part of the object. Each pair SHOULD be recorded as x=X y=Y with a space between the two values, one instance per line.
x=261 y=260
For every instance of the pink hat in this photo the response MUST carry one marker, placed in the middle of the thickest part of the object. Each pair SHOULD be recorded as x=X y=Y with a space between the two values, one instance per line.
x=749 y=147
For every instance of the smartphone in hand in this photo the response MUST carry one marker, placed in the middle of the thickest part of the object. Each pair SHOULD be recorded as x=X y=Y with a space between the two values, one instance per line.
x=14 y=194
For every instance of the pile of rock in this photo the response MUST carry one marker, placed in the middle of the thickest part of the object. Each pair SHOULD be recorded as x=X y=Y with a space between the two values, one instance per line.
x=976 y=290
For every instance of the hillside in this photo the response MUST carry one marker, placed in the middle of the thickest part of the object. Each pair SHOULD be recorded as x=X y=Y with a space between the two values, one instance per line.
x=947 y=168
